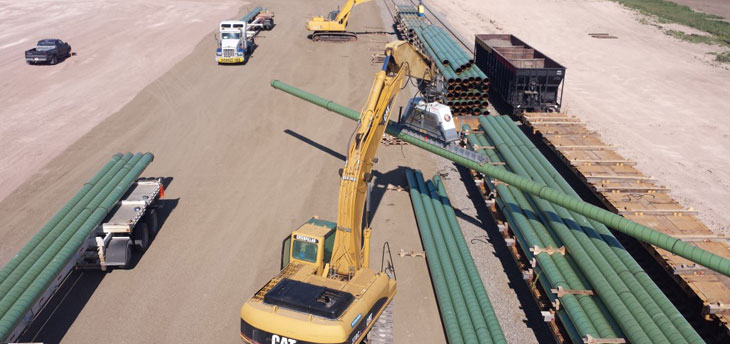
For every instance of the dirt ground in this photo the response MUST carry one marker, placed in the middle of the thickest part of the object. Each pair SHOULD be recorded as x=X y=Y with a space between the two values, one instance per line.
x=658 y=100
x=248 y=164
x=120 y=47
x=716 y=7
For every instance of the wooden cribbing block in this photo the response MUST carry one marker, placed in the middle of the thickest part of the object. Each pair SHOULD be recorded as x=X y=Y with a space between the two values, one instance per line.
x=592 y=340
x=411 y=253
x=561 y=292
x=584 y=147
x=482 y=147
x=549 y=250
x=668 y=212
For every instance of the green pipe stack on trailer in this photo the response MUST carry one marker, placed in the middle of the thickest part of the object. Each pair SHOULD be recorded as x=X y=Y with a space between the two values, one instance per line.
x=248 y=17
x=466 y=311
x=27 y=275
x=634 y=302
x=464 y=80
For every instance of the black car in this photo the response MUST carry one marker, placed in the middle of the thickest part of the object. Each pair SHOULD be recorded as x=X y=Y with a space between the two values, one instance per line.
x=48 y=51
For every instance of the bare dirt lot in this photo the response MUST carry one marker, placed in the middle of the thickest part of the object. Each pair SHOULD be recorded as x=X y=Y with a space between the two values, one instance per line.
x=658 y=100
x=248 y=165
x=716 y=7
x=120 y=47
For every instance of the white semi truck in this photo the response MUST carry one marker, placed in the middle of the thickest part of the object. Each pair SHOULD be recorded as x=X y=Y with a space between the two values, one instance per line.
x=236 y=37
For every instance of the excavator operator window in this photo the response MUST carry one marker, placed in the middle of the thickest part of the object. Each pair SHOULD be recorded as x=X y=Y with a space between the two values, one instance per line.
x=305 y=251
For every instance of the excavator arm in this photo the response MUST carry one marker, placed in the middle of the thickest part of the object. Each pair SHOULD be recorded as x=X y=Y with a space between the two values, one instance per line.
x=344 y=13
x=401 y=61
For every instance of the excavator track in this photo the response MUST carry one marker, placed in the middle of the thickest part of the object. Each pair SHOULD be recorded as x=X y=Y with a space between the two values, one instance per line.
x=382 y=331
x=324 y=36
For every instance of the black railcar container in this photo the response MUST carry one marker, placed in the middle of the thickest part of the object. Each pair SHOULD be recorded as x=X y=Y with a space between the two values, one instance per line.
x=525 y=79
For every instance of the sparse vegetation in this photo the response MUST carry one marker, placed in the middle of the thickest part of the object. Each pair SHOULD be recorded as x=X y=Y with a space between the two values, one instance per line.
x=669 y=12
x=723 y=57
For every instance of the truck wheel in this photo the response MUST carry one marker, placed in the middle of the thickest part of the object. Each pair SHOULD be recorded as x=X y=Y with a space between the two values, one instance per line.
x=152 y=222
x=128 y=258
x=141 y=237
x=53 y=60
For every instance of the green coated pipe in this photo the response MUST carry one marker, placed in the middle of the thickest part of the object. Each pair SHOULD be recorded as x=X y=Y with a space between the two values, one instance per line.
x=474 y=277
x=51 y=224
x=582 y=309
x=619 y=257
x=42 y=261
x=448 y=244
x=634 y=321
x=54 y=260
x=448 y=314
x=441 y=54
x=631 y=228
x=21 y=266
x=607 y=327
x=457 y=297
x=247 y=18
x=450 y=77
x=590 y=238
x=458 y=61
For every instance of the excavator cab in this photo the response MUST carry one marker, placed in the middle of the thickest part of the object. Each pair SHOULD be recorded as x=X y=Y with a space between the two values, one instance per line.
x=310 y=244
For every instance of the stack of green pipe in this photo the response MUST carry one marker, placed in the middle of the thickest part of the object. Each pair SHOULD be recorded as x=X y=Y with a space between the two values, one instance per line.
x=466 y=311
x=645 y=234
x=464 y=80
x=248 y=17
x=27 y=275
x=642 y=311
x=585 y=314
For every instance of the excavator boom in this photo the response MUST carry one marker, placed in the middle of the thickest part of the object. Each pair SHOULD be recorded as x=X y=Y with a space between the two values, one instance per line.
x=326 y=292
x=401 y=61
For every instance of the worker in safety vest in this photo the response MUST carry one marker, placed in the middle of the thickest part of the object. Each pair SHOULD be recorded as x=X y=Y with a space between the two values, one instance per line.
x=421 y=8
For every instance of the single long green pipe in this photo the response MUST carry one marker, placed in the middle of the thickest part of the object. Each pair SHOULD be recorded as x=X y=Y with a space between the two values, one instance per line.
x=53 y=222
x=630 y=269
x=490 y=317
x=618 y=297
x=619 y=223
x=446 y=306
x=44 y=274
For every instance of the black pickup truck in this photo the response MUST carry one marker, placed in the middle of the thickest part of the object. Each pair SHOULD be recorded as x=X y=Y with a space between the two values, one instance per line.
x=48 y=51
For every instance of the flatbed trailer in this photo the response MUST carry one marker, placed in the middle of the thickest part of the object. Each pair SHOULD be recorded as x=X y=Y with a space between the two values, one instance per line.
x=128 y=227
x=625 y=190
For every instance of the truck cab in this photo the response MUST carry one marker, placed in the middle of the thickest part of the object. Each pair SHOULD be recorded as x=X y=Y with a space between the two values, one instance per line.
x=310 y=244
x=235 y=43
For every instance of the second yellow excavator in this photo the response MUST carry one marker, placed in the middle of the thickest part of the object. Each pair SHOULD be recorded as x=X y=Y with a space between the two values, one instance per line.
x=326 y=291
x=334 y=27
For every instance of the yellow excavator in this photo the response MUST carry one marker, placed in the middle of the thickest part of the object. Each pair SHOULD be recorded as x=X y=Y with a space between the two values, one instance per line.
x=326 y=291
x=334 y=27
